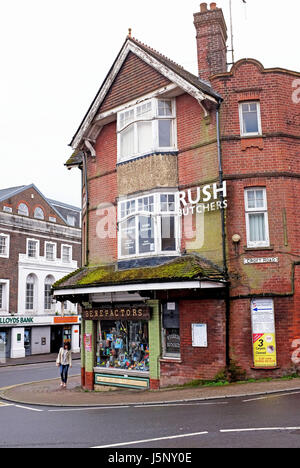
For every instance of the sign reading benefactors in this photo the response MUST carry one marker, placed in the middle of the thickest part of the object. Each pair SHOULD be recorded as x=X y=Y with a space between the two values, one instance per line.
x=118 y=313
x=263 y=333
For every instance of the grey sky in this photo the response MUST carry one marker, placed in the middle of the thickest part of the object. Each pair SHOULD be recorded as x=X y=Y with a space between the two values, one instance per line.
x=55 y=55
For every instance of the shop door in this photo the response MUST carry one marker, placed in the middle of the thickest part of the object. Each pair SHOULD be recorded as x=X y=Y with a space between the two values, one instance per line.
x=27 y=341
x=67 y=335
x=56 y=339
x=4 y=343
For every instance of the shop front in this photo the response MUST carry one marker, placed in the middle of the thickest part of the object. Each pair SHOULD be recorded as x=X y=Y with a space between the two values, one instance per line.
x=165 y=326
x=22 y=335
x=122 y=345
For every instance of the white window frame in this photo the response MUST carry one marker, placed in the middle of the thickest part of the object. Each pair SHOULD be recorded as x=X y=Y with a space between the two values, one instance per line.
x=243 y=133
x=54 y=251
x=249 y=211
x=37 y=212
x=155 y=118
x=35 y=293
x=5 y=296
x=70 y=256
x=48 y=283
x=157 y=215
x=37 y=253
x=71 y=220
x=7 y=246
x=23 y=214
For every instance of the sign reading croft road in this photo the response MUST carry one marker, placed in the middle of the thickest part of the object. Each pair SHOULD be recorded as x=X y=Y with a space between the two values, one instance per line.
x=117 y=313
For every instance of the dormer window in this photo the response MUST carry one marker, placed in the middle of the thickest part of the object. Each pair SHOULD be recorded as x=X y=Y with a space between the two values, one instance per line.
x=146 y=128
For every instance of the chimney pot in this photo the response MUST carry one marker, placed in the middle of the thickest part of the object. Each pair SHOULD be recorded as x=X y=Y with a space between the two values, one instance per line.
x=213 y=6
x=203 y=7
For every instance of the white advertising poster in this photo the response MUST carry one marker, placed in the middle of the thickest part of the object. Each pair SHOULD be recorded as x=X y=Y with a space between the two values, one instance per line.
x=199 y=335
x=263 y=333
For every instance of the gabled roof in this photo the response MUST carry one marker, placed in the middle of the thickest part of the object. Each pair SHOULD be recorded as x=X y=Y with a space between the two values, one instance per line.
x=190 y=83
x=13 y=191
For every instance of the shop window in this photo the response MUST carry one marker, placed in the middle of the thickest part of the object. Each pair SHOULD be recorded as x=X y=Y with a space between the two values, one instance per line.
x=146 y=128
x=148 y=225
x=4 y=246
x=171 y=330
x=250 y=119
x=123 y=345
x=257 y=217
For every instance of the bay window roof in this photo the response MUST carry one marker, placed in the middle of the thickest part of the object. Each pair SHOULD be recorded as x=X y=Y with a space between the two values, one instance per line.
x=188 y=271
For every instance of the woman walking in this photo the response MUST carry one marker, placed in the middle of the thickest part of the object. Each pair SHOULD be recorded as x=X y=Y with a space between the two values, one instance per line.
x=64 y=362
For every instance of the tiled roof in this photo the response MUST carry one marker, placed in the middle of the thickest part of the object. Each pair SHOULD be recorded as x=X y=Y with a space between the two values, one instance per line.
x=186 y=75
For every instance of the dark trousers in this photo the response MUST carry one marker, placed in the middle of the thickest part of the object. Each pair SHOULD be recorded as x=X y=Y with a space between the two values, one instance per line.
x=64 y=373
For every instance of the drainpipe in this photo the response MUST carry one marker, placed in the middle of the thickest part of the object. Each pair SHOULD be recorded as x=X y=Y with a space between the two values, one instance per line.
x=84 y=160
x=225 y=268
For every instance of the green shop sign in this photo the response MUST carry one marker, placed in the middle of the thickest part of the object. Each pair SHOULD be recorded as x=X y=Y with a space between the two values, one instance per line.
x=15 y=320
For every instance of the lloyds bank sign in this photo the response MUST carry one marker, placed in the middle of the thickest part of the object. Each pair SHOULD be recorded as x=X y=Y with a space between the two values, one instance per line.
x=16 y=320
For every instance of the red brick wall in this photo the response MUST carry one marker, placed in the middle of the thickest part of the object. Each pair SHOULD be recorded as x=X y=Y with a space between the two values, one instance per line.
x=270 y=161
x=135 y=79
x=198 y=363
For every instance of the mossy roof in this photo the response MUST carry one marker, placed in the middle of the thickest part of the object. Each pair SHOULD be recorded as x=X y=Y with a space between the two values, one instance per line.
x=184 y=268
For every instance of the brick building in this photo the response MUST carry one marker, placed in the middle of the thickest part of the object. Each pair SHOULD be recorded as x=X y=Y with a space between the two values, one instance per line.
x=190 y=233
x=40 y=242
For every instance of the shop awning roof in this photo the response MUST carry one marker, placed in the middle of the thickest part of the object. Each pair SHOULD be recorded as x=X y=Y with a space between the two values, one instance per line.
x=187 y=272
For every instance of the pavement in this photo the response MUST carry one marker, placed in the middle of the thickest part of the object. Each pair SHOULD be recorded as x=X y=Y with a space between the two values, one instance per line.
x=49 y=392
x=35 y=359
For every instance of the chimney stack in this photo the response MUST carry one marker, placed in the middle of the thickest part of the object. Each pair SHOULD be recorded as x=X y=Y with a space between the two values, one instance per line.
x=211 y=41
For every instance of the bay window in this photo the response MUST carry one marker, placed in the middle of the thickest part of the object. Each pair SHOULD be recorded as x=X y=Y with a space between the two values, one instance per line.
x=148 y=225
x=257 y=217
x=146 y=128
